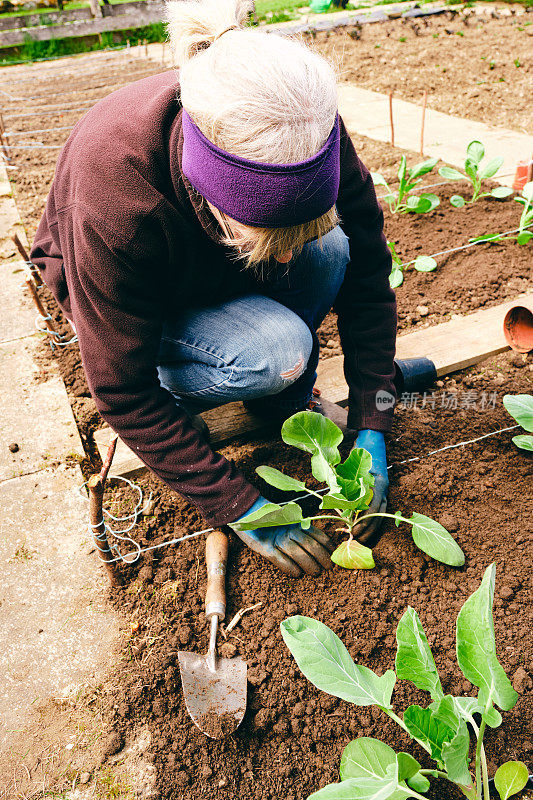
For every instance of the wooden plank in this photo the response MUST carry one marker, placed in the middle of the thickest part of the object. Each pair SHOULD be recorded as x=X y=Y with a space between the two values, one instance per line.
x=152 y=12
x=452 y=346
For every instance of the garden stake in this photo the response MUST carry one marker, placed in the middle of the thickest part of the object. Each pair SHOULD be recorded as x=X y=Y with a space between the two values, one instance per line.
x=42 y=313
x=3 y=138
x=96 y=486
x=35 y=274
x=391 y=119
x=424 y=103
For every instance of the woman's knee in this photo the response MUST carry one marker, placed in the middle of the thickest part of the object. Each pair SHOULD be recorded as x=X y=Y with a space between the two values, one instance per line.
x=278 y=356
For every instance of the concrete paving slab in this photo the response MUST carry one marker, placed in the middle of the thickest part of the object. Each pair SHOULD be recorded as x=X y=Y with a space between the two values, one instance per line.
x=35 y=415
x=18 y=311
x=446 y=137
x=56 y=628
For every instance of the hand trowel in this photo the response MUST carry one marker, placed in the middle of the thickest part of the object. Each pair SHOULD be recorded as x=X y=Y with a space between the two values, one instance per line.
x=214 y=688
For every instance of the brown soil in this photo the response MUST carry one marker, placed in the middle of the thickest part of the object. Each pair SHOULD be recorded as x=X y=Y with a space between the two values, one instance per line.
x=290 y=741
x=473 y=66
x=292 y=736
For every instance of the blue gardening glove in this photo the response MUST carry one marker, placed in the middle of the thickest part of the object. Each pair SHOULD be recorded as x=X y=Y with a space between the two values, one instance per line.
x=374 y=442
x=289 y=547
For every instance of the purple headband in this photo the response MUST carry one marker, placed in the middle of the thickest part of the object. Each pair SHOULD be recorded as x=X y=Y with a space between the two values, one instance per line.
x=257 y=194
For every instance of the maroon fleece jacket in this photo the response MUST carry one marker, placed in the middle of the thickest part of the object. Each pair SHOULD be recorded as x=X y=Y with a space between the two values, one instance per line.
x=125 y=242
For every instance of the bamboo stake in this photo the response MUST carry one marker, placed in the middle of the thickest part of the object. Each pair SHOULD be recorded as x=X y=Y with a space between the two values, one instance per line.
x=530 y=171
x=391 y=119
x=95 y=484
x=145 y=42
x=31 y=267
x=424 y=103
x=37 y=300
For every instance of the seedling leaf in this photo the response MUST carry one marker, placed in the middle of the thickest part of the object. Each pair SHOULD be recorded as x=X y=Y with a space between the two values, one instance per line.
x=366 y=758
x=337 y=501
x=407 y=766
x=419 y=783
x=353 y=555
x=451 y=174
x=432 y=538
x=457 y=201
x=455 y=756
x=491 y=168
x=354 y=473
x=527 y=191
x=319 y=436
x=362 y=789
x=414 y=660
x=379 y=180
x=278 y=479
x=524 y=442
x=424 y=726
x=501 y=191
x=325 y=661
x=510 y=778
x=476 y=648
x=270 y=515
x=524 y=237
x=475 y=151
x=467 y=706
x=423 y=168
x=425 y=264
x=396 y=277
x=520 y=407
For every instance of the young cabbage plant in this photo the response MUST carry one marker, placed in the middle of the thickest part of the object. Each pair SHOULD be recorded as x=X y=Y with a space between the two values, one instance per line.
x=520 y=407
x=369 y=768
x=348 y=495
x=420 y=263
x=475 y=174
x=402 y=201
x=524 y=234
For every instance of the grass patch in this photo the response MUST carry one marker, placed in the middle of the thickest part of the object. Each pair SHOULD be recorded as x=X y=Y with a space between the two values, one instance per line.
x=55 y=48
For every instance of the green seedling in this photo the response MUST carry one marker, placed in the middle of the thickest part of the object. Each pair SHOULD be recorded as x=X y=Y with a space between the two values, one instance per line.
x=475 y=174
x=520 y=407
x=402 y=201
x=420 y=263
x=349 y=492
x=369 y=768
x=523 y=234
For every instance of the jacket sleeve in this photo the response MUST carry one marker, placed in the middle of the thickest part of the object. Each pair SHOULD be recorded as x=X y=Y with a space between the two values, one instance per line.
x=366 y=304
x=115 y=294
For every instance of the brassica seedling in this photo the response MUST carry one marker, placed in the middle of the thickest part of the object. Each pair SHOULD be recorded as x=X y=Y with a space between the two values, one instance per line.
x=520 y=407
x=369 y=768
x=402 y=201
x=523 y=235
x=420 y=263
x=475 y=174
x=349 y=492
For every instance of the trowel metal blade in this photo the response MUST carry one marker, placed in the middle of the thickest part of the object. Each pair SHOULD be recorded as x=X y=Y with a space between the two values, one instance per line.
x=216 y=700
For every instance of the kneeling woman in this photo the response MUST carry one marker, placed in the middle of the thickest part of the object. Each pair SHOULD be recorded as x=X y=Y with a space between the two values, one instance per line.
x=198 y=229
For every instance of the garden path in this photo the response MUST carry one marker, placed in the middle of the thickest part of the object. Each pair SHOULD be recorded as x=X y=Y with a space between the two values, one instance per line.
x=57 y=633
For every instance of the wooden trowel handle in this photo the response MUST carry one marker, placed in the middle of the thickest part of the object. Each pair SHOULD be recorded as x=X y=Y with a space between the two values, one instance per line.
x=216 y=556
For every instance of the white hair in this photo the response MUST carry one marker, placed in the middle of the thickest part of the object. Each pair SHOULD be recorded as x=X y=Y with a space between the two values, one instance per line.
x=258 y=95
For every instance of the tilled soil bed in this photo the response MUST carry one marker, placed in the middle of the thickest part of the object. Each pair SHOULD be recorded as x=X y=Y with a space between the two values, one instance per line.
x=475 y=66
x=292 y=736
x=291 y=739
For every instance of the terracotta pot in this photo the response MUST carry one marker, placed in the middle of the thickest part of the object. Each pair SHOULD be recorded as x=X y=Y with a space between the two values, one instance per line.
x=518 y=329
x=522 y=175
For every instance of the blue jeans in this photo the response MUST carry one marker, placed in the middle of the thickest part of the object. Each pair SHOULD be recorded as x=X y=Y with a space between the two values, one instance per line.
x=257 y=345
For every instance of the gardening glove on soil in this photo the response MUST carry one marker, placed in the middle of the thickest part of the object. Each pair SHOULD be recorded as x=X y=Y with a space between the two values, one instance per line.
x=374 y=442
x=289 y=547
